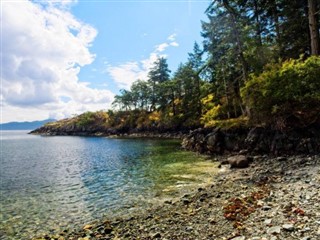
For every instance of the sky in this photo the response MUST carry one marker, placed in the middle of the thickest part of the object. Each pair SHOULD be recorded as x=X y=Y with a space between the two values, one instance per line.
x=62 y=58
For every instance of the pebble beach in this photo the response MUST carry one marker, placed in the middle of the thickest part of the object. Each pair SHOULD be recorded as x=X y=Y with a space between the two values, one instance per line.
x=273 y=198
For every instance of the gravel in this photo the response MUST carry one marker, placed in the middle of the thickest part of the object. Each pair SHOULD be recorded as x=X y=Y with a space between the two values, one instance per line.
x=274 y=198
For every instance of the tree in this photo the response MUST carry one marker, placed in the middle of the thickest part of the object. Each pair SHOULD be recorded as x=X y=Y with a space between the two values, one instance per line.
x=189 y=90
x=313 y=26
x=141 y=92
x=225 y=35
x=158 y=74
x=124 y=101
x=195 y=58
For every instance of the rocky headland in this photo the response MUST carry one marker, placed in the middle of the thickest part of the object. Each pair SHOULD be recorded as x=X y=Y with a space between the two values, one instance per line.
x=253 y=140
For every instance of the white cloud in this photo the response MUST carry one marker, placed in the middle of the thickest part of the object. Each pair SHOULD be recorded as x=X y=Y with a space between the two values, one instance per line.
x=174 y=44
x=126 y=73
x=161 y=47
x=45 y=46
x=172 y=37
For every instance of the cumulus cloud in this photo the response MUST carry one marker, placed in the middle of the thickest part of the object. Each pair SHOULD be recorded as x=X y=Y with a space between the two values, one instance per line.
x=174 y=44
x=161 y=47
x=45 y=47
x=125 y=74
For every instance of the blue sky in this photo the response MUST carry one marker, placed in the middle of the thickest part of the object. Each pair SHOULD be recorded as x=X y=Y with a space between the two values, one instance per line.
x=65 y=57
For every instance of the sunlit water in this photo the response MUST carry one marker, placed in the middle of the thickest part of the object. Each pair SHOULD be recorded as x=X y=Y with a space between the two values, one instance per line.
x=50 y=183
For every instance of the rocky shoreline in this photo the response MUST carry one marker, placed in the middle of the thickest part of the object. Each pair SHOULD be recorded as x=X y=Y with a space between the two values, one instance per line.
x=273 y=198
x=268 y=188
x=255 y=140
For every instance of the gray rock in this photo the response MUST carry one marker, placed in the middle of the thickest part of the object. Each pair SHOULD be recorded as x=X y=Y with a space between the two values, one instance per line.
x=239 y=238
x=238 y=161
x=274 y=230
x=266 y=208
x=185 y=201
x=288 y=227
x=281 y=159
x=268 y=221
x=215 y=141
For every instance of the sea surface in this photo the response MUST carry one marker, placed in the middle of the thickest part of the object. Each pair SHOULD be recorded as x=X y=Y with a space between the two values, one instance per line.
x=50 y=183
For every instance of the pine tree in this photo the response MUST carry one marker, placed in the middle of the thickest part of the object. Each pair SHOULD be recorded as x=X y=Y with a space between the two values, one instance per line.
x=158 y=75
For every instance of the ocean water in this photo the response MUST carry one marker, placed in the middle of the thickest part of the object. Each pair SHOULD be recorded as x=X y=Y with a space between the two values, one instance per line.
x=48 y=184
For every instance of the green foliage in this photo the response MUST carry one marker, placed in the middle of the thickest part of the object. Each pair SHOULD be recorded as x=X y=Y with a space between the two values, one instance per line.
x=214 y=109
x=85 y=119
x=232 y=123
x=285 y=93
x=243 y=41
x=92 y=118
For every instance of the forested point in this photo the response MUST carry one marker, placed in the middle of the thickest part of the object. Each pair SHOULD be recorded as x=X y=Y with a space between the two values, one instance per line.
x=258 y=65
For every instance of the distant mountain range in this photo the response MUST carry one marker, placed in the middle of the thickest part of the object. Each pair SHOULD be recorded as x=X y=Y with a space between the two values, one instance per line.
x=24 y=125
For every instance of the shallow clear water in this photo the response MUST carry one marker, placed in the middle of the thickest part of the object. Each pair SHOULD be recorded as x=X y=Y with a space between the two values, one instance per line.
x=50 y=183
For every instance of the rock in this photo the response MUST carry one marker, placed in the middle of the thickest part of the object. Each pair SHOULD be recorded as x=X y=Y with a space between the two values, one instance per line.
x=239 y=238
x=238 y=161
x=87 y=227
x=185 y=201
x=215 y=141
x=84 y=238
x=288 y=227
x=274 y=230
x=257 y=140
x=268 y=221
x=281 y=159
x=189 y=228
x=306 y=238
x=266 y=208
x=212 y=220
x=156 y=235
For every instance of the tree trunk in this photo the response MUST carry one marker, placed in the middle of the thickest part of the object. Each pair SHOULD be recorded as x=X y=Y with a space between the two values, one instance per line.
x=313 y=27
x=258 y=23
x=244 y=64
x=275 y=18
x=238 y=40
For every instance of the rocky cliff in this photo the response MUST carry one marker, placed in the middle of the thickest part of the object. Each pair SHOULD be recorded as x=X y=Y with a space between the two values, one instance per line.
x=257 y=140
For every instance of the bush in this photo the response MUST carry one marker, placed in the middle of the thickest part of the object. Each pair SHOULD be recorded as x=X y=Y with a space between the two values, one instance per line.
x=86 y=119
x=285 y=94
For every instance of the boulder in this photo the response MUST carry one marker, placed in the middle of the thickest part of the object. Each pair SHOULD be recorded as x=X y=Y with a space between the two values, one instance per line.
x=238 y=161
x=215 y=141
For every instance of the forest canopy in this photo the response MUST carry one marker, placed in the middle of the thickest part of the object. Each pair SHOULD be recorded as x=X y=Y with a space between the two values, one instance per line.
x=258 y=64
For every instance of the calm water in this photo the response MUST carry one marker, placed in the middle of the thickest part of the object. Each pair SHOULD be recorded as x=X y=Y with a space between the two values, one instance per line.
x=49 y=183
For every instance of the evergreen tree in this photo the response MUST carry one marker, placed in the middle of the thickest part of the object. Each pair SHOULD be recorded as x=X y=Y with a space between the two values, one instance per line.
x=158 y=75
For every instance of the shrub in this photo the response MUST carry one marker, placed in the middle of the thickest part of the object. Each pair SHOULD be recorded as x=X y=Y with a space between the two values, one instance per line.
x=285 y=94
x=86 y=119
